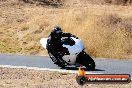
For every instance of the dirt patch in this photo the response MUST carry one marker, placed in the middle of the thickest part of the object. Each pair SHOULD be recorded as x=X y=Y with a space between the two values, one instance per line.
x=24 y=78
x=53 y=3
x=119 y=2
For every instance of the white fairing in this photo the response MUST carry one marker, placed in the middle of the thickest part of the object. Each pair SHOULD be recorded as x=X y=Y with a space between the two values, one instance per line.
x=43 y=42
x=73 y=50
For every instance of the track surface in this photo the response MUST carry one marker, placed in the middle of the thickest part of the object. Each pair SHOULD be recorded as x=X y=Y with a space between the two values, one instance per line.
x=107 y=66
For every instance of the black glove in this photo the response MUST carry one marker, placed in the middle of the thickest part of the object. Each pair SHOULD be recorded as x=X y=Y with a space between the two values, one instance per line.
x=74 y=36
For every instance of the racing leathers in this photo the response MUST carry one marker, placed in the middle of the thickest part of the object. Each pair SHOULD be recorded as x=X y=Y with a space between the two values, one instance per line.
x=55 y=46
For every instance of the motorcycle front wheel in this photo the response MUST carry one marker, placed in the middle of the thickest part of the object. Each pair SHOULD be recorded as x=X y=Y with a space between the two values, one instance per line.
x=85 y=60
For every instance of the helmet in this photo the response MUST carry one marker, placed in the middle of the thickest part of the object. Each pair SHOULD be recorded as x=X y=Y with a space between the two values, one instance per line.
x=56 y=31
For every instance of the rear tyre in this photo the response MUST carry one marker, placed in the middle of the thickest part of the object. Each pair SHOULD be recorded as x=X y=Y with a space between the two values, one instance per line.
x=85 y=60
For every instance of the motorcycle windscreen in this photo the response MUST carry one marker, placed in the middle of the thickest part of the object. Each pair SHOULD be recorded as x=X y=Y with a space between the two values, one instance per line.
x=43 y=42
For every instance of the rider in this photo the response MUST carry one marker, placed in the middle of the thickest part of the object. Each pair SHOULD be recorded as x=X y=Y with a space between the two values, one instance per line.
x=54 y=41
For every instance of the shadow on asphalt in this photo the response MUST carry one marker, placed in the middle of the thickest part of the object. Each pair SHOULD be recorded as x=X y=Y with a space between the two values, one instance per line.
x=76 y=68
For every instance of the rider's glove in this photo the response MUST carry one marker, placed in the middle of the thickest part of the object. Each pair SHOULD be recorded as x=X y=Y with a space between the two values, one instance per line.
x=74 y=36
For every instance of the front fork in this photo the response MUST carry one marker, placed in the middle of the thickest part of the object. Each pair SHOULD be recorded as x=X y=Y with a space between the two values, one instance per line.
x=79 y=56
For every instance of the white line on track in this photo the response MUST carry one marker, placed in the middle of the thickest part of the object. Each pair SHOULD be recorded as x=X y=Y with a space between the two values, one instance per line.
x=47 y=69
x=44 y=69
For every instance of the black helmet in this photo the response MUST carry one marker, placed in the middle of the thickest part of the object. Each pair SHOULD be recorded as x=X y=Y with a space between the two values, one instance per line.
x=57 y=31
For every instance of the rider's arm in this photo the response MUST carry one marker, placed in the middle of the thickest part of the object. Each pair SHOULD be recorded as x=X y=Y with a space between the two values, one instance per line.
x=68 y=35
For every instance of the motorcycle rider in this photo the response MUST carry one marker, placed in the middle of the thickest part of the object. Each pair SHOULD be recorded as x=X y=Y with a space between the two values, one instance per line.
x=55 y=44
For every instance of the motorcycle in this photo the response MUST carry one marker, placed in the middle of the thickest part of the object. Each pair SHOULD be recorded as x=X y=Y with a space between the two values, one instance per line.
x=76 y=53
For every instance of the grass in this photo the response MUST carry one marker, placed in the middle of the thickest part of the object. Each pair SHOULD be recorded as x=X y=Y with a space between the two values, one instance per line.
x=103 y=36
x=106 y=30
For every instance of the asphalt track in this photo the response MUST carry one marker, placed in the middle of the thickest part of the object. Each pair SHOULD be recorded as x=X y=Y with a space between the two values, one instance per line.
x=103 y=66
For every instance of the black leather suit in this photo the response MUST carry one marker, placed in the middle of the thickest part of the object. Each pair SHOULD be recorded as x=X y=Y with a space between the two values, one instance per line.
x=55 y=45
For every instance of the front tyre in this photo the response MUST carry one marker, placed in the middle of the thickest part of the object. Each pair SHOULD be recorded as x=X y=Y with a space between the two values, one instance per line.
x=85 y=60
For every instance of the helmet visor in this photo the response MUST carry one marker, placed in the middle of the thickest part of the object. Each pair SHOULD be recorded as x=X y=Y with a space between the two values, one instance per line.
x=58 y=31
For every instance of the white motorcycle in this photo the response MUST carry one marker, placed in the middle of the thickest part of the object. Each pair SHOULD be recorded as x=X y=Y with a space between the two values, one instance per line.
x=76 y=54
